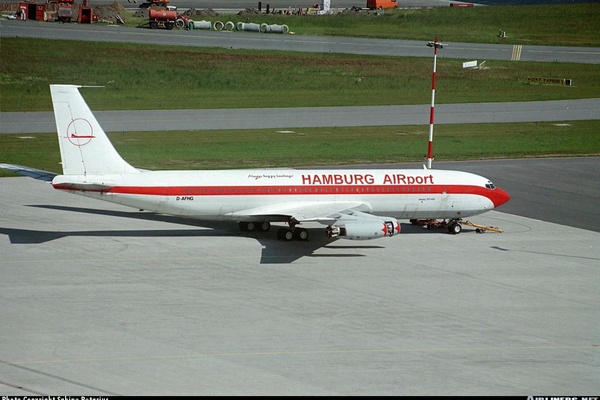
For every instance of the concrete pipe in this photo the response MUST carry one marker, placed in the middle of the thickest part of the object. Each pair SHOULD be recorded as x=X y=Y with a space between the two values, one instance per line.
x=278 y=28
x=248 y=27
x=218 y=26
x=229 y=26
x=200 y=24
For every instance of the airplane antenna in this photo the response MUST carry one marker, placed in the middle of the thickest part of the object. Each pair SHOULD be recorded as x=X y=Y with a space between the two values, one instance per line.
x=435 y=44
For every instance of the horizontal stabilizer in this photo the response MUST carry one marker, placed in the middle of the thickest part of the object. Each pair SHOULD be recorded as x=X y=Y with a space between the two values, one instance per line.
x=86 y=187
x=38 y=174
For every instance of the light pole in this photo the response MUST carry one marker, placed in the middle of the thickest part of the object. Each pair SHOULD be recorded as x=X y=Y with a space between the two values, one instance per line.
x=435 y=44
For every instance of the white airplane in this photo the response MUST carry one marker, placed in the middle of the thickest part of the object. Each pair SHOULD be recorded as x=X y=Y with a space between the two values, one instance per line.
x=351 y=203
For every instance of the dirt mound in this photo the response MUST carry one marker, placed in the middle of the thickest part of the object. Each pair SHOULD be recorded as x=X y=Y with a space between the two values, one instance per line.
x=141 y=13
x=109 y=12
x=249 y=12
x=209 y=12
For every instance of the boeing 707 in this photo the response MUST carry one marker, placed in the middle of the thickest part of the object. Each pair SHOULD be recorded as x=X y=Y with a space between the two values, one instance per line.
x=350 y=203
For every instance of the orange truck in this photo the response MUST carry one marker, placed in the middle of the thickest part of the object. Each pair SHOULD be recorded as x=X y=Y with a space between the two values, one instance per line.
x=163 y=18
x=382 y=4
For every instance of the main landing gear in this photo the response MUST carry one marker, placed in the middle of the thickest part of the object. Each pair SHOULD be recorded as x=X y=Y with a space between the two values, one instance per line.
x=292 y=233
x=254 y=226
x=288 y=233
x=453 y=226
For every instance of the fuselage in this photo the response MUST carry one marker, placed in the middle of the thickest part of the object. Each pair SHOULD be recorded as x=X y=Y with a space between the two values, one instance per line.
x=221 y=194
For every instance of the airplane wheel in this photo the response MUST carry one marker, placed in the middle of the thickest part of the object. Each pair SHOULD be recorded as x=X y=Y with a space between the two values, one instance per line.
x=454 y=228
x=250 y=226
x=285 y=234
x=288 y=235
x=301 y=234
x=265 y=226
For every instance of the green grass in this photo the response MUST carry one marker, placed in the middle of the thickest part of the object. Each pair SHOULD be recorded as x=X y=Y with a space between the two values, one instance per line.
x=321 y=146
x=571 y=25
x=171 y=77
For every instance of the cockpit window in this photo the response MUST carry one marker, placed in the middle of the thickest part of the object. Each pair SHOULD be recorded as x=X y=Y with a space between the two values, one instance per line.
x=490 y=185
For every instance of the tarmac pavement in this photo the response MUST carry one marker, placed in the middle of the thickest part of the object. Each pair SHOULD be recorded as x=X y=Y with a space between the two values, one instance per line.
x=99 y=299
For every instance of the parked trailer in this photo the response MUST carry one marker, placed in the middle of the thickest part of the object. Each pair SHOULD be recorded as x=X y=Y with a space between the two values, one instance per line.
x=65 y=10
x=162 y=18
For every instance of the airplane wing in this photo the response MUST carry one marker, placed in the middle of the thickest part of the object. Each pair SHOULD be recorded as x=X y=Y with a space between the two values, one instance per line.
x=38 y=174
x=324 y=212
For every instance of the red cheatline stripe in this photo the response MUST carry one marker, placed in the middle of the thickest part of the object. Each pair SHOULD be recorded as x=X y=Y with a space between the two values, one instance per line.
x=289 y=190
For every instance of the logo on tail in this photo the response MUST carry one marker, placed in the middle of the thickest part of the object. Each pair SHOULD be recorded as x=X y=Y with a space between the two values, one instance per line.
x=80 y=132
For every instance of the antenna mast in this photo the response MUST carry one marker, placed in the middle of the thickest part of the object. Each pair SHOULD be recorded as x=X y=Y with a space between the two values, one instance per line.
x=435 y=44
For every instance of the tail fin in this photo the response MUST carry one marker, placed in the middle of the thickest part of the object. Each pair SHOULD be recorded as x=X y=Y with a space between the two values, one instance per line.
x=84 y=147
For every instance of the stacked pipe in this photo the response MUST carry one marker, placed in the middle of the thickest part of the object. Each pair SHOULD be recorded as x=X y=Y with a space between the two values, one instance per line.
x=242 y=26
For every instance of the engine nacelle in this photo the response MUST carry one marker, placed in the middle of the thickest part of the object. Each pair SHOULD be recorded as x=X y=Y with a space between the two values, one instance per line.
x=365 y=229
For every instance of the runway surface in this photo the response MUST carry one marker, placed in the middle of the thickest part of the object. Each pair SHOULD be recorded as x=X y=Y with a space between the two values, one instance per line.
x=98 y=299
x=303 y=117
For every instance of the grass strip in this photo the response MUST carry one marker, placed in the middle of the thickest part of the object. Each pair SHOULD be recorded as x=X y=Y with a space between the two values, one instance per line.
x=226 y=149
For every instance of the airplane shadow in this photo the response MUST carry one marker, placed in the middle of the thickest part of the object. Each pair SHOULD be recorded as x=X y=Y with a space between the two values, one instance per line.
x=274 y=251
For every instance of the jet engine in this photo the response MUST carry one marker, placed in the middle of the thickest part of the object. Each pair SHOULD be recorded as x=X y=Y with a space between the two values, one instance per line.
x=365 y=229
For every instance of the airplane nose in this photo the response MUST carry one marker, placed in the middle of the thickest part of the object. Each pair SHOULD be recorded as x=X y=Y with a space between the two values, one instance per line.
x=499 y=197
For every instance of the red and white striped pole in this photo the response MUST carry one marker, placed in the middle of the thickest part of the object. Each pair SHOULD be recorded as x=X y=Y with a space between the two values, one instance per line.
x=435 y=44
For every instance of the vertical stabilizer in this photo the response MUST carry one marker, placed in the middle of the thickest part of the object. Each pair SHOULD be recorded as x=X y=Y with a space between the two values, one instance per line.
x=84 y=147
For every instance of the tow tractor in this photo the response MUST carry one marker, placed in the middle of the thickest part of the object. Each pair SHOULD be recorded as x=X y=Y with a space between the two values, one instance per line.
x=482 y=228
x=454 y=226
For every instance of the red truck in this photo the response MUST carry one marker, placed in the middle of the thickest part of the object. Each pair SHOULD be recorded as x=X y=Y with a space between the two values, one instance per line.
x=382 y=4
x=162 y=18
